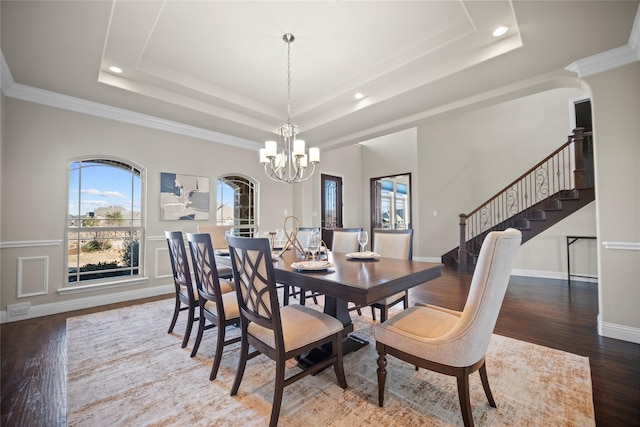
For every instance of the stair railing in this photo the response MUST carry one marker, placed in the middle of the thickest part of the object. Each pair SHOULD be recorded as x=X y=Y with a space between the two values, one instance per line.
x=550 y=176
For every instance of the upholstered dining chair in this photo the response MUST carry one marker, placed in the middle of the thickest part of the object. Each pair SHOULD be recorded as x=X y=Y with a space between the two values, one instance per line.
x=390 y=243
x=452 y=342
x=217 y=301
x=186 y=295
x=219 y=242
x=280 y=333
x=345 y=240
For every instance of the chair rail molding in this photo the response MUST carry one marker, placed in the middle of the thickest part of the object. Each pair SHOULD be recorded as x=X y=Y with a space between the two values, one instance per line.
x=626 y=246
x=30 y=244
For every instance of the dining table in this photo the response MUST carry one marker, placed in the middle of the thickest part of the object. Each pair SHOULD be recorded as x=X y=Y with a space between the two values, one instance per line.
x=349 y=279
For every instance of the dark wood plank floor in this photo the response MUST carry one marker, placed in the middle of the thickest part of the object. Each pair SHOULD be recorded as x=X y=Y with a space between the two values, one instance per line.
x=544 y=312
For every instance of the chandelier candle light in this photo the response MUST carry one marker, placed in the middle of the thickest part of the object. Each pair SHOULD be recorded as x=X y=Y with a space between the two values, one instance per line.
x=290 y=164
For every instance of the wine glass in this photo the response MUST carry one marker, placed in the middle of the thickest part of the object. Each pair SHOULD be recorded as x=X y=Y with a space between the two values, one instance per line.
x=279 y=237
x=313 y=244
x=363 y=238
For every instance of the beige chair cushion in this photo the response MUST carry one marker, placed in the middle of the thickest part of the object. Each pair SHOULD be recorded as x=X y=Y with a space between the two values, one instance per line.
x=230 y=302
x=227 y=286
x=301 y=325
x=419 y=331
x=185 y=292
x=393 y=298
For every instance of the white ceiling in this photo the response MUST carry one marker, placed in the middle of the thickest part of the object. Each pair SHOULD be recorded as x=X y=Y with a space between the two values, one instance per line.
x=221 y=65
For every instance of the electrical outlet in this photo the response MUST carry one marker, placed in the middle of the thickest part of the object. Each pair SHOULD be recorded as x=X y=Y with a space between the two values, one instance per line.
x=19 y=310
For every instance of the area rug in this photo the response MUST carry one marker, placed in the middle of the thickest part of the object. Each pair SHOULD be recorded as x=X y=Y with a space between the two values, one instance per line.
x=125 y=370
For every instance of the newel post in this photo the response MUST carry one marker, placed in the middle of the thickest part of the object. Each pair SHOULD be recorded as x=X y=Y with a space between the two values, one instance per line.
x=578 y=150
x=462 y=251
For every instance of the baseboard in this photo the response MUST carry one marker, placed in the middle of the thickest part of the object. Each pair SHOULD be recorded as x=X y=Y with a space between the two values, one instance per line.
x=618 y=332
x=95 y=301
x=558 y=275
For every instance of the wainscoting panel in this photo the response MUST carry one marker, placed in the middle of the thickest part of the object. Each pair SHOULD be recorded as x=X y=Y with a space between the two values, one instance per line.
x=163 y=263
x=33 y=276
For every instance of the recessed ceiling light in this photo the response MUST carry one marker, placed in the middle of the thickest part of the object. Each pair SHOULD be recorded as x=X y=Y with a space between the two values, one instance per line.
x=500 y=31
x=359 y=95
x=115 y=69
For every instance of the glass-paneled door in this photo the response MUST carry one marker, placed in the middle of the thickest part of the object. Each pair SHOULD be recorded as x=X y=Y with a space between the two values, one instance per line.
x=331 y=205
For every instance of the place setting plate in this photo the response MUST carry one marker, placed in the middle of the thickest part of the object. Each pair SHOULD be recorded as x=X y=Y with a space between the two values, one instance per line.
x=366 y=255
x=312 y=265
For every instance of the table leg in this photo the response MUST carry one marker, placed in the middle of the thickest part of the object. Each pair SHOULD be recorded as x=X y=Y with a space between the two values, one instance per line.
x=340 y=310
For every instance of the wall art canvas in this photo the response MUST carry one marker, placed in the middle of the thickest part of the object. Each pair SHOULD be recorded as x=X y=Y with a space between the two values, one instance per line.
x=184 y=197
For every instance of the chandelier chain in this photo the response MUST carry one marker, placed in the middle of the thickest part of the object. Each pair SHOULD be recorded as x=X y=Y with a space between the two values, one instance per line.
x=289 y=81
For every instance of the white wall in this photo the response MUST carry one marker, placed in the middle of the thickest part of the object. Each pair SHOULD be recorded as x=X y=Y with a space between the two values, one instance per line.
x=616 y=122
x=38 y=142
x=466 y=158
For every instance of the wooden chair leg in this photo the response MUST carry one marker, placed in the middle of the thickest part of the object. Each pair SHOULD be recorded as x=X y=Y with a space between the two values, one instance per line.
x=187 y=333
x=384 y=314
x=382 y=376
x=277 y=393
x=338 y=365
x=196 y=345
x=485 y=385
x=465 y=402
x=219 y=348
x=176 y=311
x=373 y=313
x=242 y=363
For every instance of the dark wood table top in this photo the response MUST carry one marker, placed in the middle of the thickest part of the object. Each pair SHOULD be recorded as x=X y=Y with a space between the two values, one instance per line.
x=359 y=281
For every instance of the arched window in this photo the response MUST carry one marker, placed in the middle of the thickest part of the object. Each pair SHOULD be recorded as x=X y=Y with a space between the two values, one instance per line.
x=236 y=204
x=105 y=218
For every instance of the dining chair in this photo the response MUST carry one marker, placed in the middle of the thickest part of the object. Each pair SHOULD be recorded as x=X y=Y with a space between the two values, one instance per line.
x=186 y=295
x=452 y=342
x=390 y=243
x=217 y=300
x=280 y=333
x=219 y=242
x=345 y=240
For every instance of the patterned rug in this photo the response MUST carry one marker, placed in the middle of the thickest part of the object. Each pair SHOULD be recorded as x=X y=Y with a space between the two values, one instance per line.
x=125 y=370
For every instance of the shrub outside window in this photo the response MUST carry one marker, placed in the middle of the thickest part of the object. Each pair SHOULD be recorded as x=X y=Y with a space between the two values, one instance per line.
x=104 y=225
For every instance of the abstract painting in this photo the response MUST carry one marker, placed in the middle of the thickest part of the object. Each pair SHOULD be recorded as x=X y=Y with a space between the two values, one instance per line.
x=184 y=197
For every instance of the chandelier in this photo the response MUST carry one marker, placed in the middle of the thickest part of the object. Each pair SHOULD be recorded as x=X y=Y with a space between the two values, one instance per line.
x=288 y=162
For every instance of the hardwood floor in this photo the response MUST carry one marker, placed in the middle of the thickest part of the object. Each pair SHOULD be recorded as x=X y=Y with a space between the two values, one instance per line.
x=541 y=311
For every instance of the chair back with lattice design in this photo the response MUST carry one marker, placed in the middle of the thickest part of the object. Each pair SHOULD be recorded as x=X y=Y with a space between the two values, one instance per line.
x=255 y=281
x=179 y=262
x=205 y=269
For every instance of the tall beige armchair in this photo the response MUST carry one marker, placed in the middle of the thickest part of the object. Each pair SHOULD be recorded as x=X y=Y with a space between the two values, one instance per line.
x=217 y=233
x=452 y=342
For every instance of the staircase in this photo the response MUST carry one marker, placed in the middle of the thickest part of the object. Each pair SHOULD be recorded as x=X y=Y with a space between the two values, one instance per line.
x=550 y=191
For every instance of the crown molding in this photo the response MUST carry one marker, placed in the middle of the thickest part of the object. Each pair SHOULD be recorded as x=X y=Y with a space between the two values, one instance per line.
x=605 y=61
x=22 y=92
x=613 y=58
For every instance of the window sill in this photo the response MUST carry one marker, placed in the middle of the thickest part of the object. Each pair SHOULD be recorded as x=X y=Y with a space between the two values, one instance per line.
x=68 y=290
